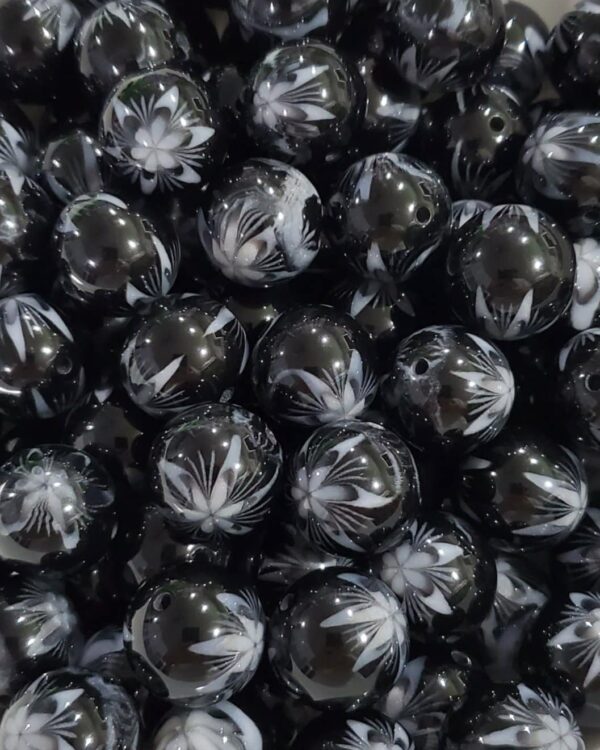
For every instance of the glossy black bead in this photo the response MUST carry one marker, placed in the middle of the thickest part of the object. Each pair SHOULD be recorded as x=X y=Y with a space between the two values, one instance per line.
x=42 y=374
x=511 y=272
x=559 y=168
x=447 y=45
x=579 y=385
x=263 y=226
x=339 y=732
x=584 y=311
x=215 y=471
x=474 y=138
x=521 y=66
x=56 y=508
x=39 y=629
x=286 y=112
x=162 y=132
x=72 y=166
x=72 y=708
x=338 y=639
x=525 y=491
x=449 y=389
x=287 y=21
x=578 y=558
x=352 y=485
x=194 y=635
x=314 y=366
x=442 y=572
x=122 y=37
x=188 y=350
x=388 y=214
x=112 y=258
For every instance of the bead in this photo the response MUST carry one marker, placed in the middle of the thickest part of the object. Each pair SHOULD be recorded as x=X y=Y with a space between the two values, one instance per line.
x=161 y=131
x=584 y=311
x=442 y=573
x=126 y=36
x=42 y=371
x=39 y=629
x=314 y=18
x=526 y=491
x=195 y=637
x=286 y=113
x=314 y=366
x=263 y=225
x=215 y=470
x=111 y=257
x=388 y=214
x=189 y=349
x=559 y=168
x=444 y=46
x=72 y=709
x=579 y=385
x=56 y=508
x=351 y=485
x=578 y=558
x=474 y=138
x=449 y=389
x=72 y=166
x=354 y=732
x=338 y=639
x=511 y=271
x=17 y=144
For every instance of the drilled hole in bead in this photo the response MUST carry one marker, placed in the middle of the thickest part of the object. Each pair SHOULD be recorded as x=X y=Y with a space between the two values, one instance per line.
x=162 y=602
x=421 y=367
x=423 y=214
x=497 y=124
x=593 y=382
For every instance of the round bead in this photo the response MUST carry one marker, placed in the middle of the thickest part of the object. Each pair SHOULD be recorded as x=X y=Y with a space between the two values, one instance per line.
x=111 y=257
x=524 y=490
x=72 y=166
x=585 y=305
x=189 y=349
x=442 y=573
x=194 y=636
x=124 y=37
x=449 y=389
x=351 y=485
x=559 y=169
x=287 y=114
x=215 y=470
x=579 y=385
x=56 y=508
x=264 y=223
x=578 y=558
x=338 y=639
x=161 y=131
x=314 y=366
x=287 y=21
x=355 y=731
x=474 y=138
x=72 y=709
x=444 y=45
x=223 y=724
x=39 y=629
x=511 y=271
x=42 y=372
x=388 y=214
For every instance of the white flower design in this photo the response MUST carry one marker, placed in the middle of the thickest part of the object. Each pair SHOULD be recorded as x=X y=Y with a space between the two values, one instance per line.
x=421 y=570
x=22 y=316
x=332 y=395
x=581 y=553
x=60 y=16
x=374 y=734
x=586 y=297
x=373 y=621
x=508 y=322
x=426 y=72
x=474 y=177
x=15 y=154
x=234 y=654
x=579 y=635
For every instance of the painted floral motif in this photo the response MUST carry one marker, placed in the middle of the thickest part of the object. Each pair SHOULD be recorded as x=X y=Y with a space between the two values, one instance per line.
x=427 y=72
x=372 y=620
x=235 y=652
x=579 y=634
x=374 y=734
x=581 y=552
x=330 y=396
x=508 y=322
x=61 y=17
x=475 y=178
x=120 y=11
x=464 y=210
x=586 y=297
x=22 y=316
x=15 y=154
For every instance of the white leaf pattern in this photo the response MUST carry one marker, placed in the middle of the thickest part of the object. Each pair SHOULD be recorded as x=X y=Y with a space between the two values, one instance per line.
x=579 y=634
x=60 y=16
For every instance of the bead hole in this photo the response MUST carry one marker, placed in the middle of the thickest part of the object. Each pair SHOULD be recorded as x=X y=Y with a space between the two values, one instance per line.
x=497 y=124
x=421 y=366
x=162 y=602
x=593 y=382
x=423 y=215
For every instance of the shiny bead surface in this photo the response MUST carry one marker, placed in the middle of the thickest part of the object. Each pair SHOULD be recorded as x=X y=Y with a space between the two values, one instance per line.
x=72 y=166
x=17 y=144
x=189 y=349
x=56 y=508
x=111 y=257
x=511 y=271
x=449 y=389
x=578 y=558
x=338 y=639
x=579 y=385
x=584 y=311
x=464 y=210
x=388 y=214
x=215 y=470
x=194 y=636
x=354 y=731
x=264 y=223
x=525 y=490
x=314 y=366
x=351 y=485
x=42 y=371
x=286 y=113
x=314 y=18
x=161 y=131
